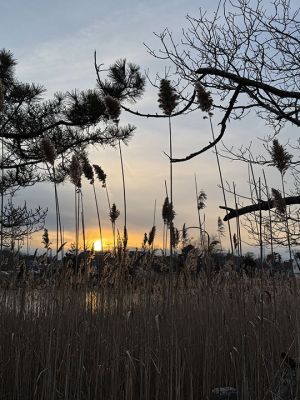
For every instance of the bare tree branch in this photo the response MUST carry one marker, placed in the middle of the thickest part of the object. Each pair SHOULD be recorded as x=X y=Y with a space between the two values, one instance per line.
x=262 y=205
x=223 y=129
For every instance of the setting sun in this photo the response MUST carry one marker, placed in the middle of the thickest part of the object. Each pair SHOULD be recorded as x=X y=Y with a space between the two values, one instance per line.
x=98 y=245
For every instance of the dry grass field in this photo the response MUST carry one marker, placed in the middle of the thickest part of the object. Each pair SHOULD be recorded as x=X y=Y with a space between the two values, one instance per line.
x=147 y=339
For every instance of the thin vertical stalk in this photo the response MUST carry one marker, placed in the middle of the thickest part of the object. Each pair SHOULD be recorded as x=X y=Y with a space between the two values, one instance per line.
x=124 y=196
x=109 y=206
x=82 y=223
x=58 y=218
x=222 y=182
x=286 y=219
x=237 y=224
x=2 y=201
x=260 y=225
x=199 y=217
x=76 y=228
x=171 y=187
x=98 y=215
x=154 y=213
x=270 y=217
x=114 y=235
x=57 y=210
x=256 y=191
x=166 y=225
x=154 y=218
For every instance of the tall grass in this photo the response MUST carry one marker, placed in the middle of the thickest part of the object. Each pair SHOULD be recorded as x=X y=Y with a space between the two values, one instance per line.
x=132 y=340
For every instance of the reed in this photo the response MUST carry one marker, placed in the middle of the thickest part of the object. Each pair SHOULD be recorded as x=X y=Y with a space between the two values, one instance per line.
x=168 y=101
x=122 y=340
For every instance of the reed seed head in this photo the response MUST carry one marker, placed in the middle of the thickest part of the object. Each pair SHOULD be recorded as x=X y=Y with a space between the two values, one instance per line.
x=100 y=174
x=201 y=200
x=87 y=169
x=167 y=97
x=145 y=240
x=48 y=149
x=168 y=213
x=279 y=201
x=151 y=235
x=114 y=213
x=203 y=97
x=221 y=227
x=75 y=171
x=281 y=159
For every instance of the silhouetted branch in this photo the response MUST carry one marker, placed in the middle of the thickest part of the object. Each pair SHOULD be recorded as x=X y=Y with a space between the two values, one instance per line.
x=262 y=205
x=223 y=129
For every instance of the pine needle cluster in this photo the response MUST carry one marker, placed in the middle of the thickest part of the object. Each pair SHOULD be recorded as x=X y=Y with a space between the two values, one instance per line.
x=204 y=98
x=48 y=150
x=86 y=107
x=100 y=174
x=280 y=157
x=113 y=108
x=125 y=81
x=167 y=97
x=279 y=202
x=75 y=171
x=7 y=67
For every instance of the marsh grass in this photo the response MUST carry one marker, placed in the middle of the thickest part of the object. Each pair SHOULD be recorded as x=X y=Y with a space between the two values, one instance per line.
x=138 y=339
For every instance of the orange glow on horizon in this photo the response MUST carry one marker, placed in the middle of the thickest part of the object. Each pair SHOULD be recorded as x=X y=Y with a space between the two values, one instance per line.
x=92 y=237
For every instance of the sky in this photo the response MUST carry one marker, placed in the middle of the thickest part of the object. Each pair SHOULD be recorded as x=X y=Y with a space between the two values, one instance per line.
x=54 y=42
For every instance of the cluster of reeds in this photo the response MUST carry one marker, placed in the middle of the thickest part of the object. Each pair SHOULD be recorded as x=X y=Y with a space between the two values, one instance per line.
x=135 y=340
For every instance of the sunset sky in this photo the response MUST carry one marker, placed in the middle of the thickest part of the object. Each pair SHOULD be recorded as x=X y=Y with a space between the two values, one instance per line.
x=54 y=42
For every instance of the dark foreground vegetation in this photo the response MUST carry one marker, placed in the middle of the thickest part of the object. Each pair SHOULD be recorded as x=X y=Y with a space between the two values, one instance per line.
x=157 y=336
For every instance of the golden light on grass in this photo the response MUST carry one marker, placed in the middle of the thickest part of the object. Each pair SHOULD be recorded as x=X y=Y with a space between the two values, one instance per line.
x=98 y=245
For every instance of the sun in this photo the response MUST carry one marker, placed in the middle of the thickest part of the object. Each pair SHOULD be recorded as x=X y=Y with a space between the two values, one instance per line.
x=98 y=245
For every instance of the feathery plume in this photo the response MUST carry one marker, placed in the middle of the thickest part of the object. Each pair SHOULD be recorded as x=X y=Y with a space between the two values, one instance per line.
x=100 y=174
x=114 y=213
x=145 y=240
x=48 y=150
x=168 y=213
x=167 y=97
x=204 y=98
x=87 y=169
x=75 y=171
x=280 y=157
x=279 y=202
x=221 y=227
x=151 y=235
x=201 y=200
